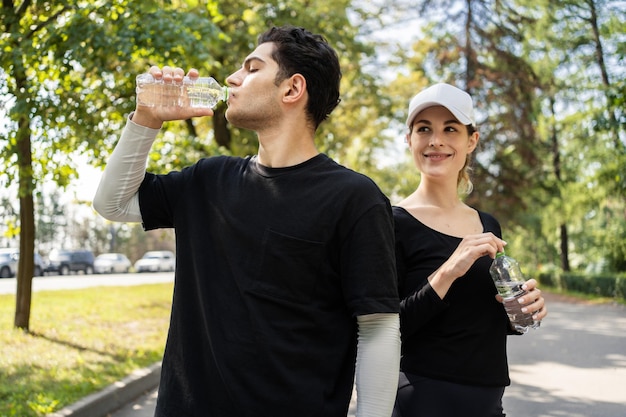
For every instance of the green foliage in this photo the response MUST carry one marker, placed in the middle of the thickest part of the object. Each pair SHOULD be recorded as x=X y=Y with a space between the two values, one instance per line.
x=79 y=59
x=67 y=75
x=547 y=82
x=345 y=136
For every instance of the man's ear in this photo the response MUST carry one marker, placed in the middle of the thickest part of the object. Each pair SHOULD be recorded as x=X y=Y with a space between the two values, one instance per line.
x=295 y=88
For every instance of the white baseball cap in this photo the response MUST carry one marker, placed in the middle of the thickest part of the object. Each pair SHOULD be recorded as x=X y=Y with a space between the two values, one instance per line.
x=456 y=100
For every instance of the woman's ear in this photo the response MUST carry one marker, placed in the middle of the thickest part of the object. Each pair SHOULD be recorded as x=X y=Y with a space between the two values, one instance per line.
x=473 y=142
x=296 y=88
x=407 y=138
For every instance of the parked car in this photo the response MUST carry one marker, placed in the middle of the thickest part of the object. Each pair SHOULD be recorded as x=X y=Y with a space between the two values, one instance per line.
x=38 y=267
x=109 y=263
x=8 y=265
x=65 y=261
x=156 y=261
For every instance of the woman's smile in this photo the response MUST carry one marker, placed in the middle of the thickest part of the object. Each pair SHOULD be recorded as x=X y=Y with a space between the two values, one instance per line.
x=437 y=156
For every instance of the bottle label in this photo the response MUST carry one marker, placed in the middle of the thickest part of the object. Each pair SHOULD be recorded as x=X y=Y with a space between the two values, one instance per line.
x=510 y=289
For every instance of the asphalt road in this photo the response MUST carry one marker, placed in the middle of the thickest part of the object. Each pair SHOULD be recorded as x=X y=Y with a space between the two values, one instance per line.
x=78 y=281
x=574 y=365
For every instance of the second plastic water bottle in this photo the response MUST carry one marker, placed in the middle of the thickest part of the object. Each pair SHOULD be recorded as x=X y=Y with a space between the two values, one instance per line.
x=201 y=92
x=508 y=277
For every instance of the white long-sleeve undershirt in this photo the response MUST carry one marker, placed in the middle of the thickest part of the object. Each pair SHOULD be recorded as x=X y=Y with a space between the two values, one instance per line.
x=377 y=364
x=116 y=198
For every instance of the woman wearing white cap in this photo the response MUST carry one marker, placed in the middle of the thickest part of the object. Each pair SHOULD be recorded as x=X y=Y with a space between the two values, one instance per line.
x=453 y=327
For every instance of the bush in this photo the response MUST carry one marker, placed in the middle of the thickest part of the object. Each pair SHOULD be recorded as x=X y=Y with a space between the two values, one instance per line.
x=612 y=285
x=548 y=275
x=601 y=285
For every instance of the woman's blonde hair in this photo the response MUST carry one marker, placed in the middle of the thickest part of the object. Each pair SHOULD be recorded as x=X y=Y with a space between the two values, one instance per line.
x=464 y=183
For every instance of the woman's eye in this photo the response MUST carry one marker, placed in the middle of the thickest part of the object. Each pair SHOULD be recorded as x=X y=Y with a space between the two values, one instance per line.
x=423 y=129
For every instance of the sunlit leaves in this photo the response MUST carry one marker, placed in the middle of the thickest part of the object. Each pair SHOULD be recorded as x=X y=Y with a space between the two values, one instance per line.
x=547 y=81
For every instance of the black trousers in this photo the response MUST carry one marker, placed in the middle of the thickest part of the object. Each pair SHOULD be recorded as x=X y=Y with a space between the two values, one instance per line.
x=424 y=397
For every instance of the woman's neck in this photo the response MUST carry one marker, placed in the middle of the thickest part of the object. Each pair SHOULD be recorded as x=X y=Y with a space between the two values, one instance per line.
x=444 y=198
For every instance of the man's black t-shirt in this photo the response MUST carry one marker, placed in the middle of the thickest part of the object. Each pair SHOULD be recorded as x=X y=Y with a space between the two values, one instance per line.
x=273 y=265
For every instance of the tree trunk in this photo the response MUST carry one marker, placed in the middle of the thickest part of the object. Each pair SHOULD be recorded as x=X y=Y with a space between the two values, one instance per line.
x=556 y=165
x=564 y=250
x=27 y=226
x=220 y=127
x=470 y=68
x=614 y=124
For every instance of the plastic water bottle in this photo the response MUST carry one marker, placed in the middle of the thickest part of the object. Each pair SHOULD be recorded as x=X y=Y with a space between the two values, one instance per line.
x=509 y=279
x=201 y=92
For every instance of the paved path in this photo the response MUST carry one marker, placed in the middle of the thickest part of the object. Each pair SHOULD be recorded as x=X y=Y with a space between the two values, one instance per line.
x=144 y=407
x=573 y=366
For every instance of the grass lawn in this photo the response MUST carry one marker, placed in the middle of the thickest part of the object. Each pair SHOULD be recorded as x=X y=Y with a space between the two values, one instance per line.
x=80 y=341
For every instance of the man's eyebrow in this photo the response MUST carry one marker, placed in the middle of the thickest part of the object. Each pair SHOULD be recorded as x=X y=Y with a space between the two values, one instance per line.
x=248 y=60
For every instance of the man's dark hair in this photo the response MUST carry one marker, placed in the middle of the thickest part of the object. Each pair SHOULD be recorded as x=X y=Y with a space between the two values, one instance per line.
x=299 y=51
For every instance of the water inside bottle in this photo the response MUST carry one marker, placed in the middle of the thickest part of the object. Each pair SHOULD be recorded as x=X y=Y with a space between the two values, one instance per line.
x=519 y=320
x=170 y=95
x=203 y=94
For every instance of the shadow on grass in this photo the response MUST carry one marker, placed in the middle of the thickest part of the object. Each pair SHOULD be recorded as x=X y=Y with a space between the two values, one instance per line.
x=37 y=388
x=117 y=357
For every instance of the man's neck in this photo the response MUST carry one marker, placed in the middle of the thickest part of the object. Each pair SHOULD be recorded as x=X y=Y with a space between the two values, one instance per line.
x=287 y=148
x=285 y=156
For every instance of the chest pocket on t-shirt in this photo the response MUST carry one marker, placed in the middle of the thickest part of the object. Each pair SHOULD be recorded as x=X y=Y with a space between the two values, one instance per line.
x=290 y=267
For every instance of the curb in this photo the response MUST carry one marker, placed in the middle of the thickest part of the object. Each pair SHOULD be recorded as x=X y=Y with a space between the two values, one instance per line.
x=115 y=396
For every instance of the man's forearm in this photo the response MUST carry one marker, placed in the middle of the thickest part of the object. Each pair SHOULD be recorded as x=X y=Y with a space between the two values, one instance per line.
x=378 y=364
x=116 y=198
